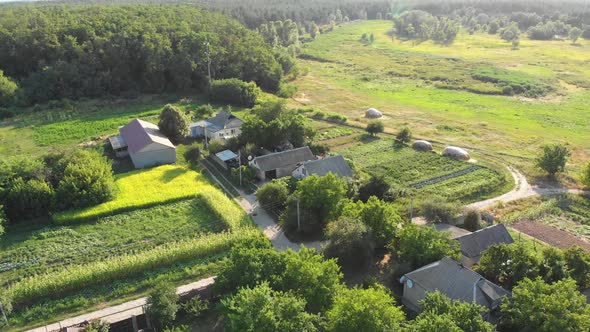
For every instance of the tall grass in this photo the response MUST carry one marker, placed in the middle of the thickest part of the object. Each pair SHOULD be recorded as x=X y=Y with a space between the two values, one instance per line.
x=141 y=189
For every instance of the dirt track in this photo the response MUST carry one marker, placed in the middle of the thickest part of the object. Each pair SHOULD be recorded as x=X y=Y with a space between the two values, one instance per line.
x=551 y=235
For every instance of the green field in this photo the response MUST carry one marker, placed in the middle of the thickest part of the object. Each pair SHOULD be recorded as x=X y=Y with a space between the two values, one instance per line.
x=403 y=167
x=442 y=92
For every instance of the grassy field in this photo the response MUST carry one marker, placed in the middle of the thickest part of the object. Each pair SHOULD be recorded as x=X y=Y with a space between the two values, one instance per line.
x=437 y=90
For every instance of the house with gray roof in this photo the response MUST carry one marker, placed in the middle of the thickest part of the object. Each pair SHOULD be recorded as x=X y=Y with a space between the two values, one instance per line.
x=223 y=125
x=320 y=167
x=453 y=280
x=473 y=245
x=144 y=143
x=280 y=164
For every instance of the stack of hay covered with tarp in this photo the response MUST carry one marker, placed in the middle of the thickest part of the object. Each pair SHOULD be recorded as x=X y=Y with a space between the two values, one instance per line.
x=422 y=145
x=456 y=153
x=373 y=113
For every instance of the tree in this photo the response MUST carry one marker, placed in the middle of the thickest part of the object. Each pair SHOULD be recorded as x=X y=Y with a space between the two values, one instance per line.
x=319 y=201
x=553 y=158
x=578 y=266
x=553 y=266
x=266 y=310
x=2 y=220
x=173 y=123
x=374 y=127
x=586 y=175
x=376 y=186
x=574 y=34
x=472 y=220
x=314 y=31
x=420 y=246
x=538 y=306
x=510 y=33
x=429 y=322
x=380 y=217
x=371 y=309
x=28 y=199
x=506 y=264
x=273 y=195
x=515 y=43
x=235 y=91
x=404 y=135
x=466 y=316
x=87 y=180
x=350 y=241
x=193 y=154
x=8 y=90
x=371 y=38
x=162 y=304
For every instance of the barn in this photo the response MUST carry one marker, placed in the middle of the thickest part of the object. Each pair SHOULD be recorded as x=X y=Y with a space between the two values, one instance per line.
x=280 y=164
x=144 y=143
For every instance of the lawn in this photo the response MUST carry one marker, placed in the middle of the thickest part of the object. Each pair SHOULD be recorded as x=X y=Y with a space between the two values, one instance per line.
x=404 y=167
x=143 y=188
x=440 y=92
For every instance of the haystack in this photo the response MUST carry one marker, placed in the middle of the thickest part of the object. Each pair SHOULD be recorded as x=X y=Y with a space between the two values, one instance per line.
x=456 y=153
x=373 y=113
x=422 y=145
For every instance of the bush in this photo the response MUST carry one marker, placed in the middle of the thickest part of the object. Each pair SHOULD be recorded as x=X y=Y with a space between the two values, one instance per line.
x=195 y=307
x=28 y=199
x=173 y=123
x=586 y=175
x=248 y=174
x=376 y=186
x=350 y=241
x=336 y=118
x=162 y=304
x=2 y=220
x=319 y=149
x=405 y=135
x=87 y=181
x=438 y=210
x=235 y=91
x=204 y=111
x=374 y=127
x=472 y=221
x=215 y=146
x=286 y=90
x=192 y=154
x=553 y=158
x=273 y=195
x=96 y=326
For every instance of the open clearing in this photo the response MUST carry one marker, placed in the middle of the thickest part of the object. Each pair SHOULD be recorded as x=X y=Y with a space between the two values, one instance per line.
x=410 y=84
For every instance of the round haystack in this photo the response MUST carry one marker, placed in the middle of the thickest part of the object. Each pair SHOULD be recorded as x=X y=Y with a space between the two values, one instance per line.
x=456 y=153
x=422 y=145
x=373 y=113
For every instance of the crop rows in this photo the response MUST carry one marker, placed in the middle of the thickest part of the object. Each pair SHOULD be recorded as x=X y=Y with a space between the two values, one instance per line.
x=466 y=187
x=445 y=177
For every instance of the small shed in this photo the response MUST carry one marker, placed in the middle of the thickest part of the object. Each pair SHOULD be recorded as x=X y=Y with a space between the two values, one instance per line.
x=373 y=113
x=456 y=153
x=225 y=157
x=473 y=245
x=280 y=164
x=119 y=146
x=422 y=145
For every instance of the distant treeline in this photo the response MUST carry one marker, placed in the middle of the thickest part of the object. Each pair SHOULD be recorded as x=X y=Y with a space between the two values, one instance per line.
x=70 y=51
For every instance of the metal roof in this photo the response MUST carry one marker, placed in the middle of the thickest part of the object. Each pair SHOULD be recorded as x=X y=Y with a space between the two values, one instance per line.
x=138 y=134
x=334 y=164
x=474 y=244
x=226 y=155
x=117 y=142
x=282 y=159
x=222 y=120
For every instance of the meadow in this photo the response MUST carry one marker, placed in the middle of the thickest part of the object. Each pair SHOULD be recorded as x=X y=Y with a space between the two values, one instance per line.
x=455 y=94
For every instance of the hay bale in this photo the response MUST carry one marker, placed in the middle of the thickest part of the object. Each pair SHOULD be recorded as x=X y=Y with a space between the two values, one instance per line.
x=456 y=153
x=422 y=145
x=373 y=113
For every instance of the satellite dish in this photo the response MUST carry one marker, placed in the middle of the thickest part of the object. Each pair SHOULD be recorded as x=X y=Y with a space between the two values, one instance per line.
x=249 y=158
x=410 y=283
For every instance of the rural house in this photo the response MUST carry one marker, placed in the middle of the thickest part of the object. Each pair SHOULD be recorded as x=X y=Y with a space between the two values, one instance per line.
x=224 y=125
x=144 y=143
x=453 y=280
x=280 y=164
x=321 y=167
x=474 y=244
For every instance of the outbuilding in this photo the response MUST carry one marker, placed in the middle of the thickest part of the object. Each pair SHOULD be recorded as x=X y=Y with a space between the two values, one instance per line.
x=280 y=164
x=336 y=165
x=223 y=125
x=144 y=143
x=473 y=245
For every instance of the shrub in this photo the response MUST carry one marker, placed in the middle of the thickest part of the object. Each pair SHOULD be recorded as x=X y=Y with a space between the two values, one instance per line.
x=28 y=199
x=2 y=220
x=586 y=175
x=472 y=221
x=273 y=195
x=215 y=146
x=338 y=118
x=553 y=158
x=192 y=154
x=438 y=210
x=376 y=186
x=96 y=326
x=87 y=181
x=350 y=241
x=173 y=123
x=374 y=127
x=204 y=111
x=286 y=90
x=234 y=91
x=162 y=304
x=404 y=135
x=195 y=307
x=248 y=174
x=319 y=149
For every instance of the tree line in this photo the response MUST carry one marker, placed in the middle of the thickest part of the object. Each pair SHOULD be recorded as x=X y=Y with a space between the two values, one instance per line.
x=73 y=51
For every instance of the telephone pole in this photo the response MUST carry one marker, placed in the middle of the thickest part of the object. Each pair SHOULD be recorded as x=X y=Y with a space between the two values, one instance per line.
x=240 y=165
x=298 y=218
x=208 y=53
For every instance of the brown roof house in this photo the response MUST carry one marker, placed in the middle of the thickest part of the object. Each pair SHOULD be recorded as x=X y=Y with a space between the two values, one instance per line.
x=223 y=125
x=320 y=167
x=144 y=143
x=453 y=280
x=473 y=245
x=280 y=164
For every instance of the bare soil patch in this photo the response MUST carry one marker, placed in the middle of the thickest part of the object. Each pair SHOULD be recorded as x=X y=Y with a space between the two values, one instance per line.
x=550 y=235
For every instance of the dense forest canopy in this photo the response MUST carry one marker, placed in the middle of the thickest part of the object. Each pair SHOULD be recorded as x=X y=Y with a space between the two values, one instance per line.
x=56 y=52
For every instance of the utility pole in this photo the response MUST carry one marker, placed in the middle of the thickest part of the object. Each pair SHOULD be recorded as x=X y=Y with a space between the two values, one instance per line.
x=240 y=165
x=208 y=53
x=298 y=218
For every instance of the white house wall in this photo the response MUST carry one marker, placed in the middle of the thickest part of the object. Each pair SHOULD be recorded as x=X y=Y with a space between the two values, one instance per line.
x=152 y=155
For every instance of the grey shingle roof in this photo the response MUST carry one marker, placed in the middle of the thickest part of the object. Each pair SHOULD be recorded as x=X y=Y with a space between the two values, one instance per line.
x=282 y=159
x=458 y=283
x=334 y=164
x=474 y=244
x=222 y=120
x=139 y=134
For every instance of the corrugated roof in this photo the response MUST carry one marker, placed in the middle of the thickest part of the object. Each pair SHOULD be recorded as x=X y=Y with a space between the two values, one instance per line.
x=458 y=283
x=226 y=155
x=117 y=142
x=138 y=134
x=281 y=159
x=474 y=244
x=334 y=164
x=222 y=120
